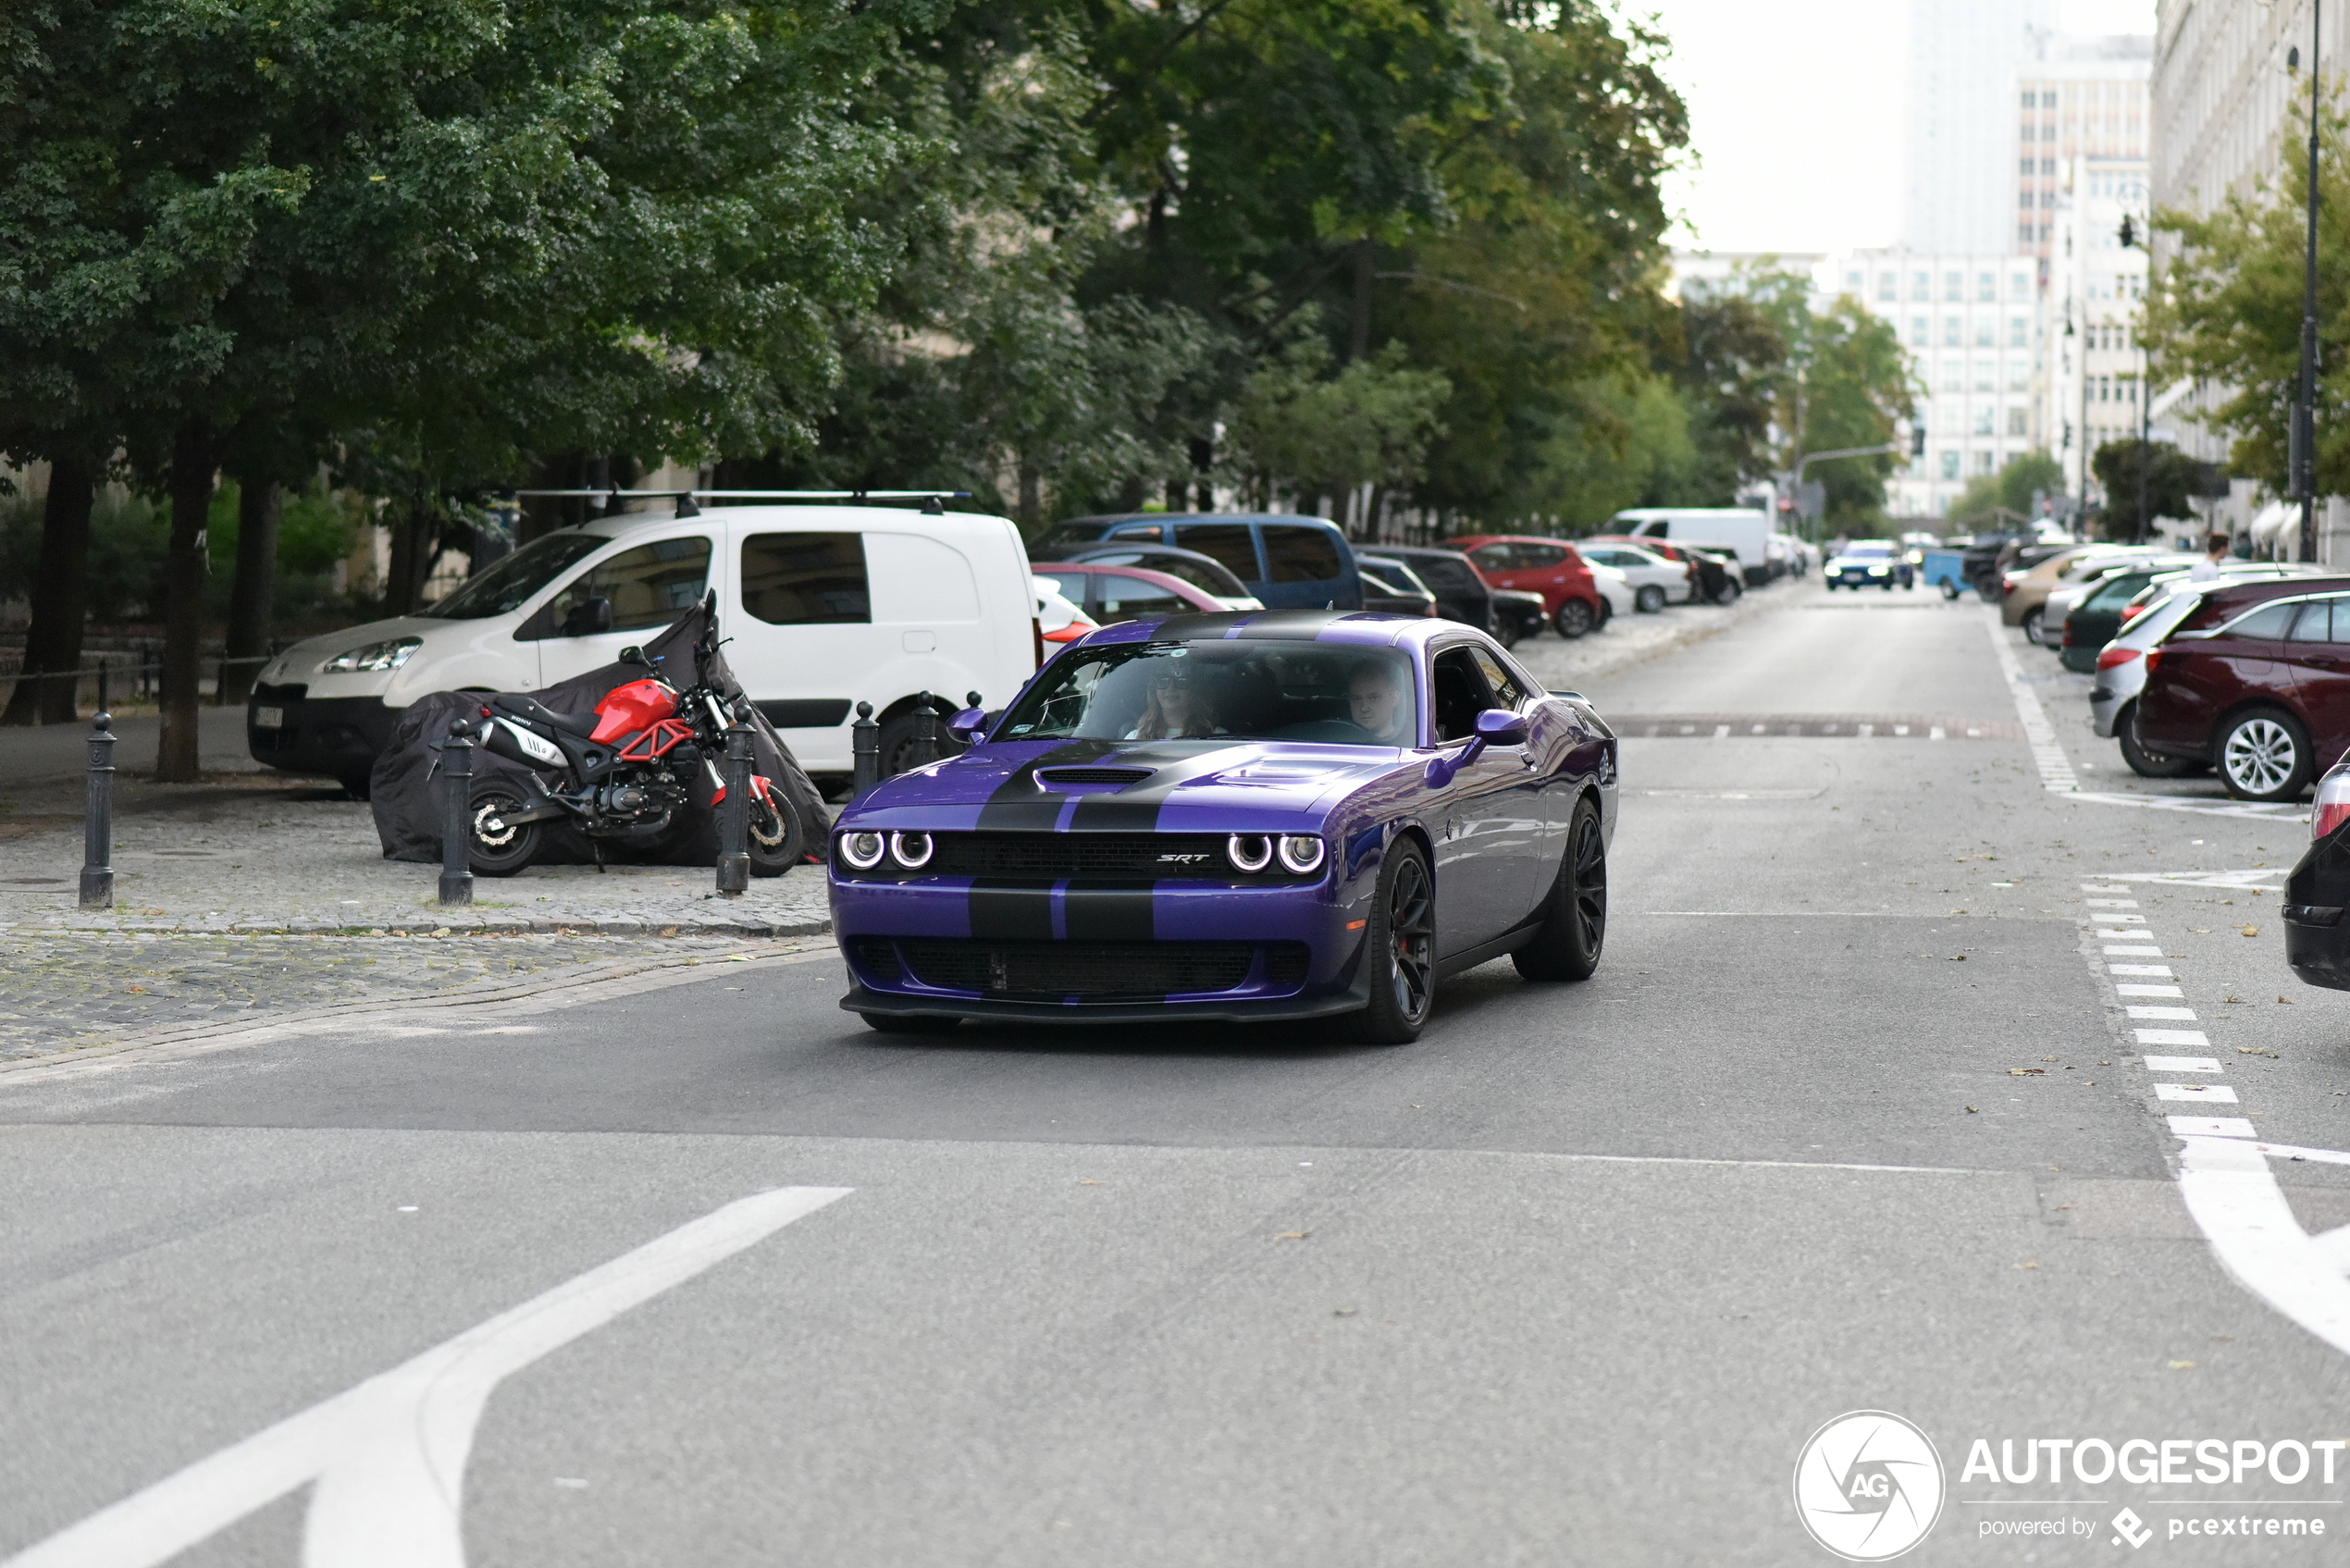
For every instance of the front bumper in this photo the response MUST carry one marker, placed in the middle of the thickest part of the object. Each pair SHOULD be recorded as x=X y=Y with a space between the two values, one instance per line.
x=337 y=736
x=863 y=999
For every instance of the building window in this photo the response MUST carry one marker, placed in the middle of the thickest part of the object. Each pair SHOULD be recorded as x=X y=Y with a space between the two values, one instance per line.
x=2018 y=375
x=2048 y=100
x=1984 y=331
x=2016 y=329
x=1983 y=462
x=2024 y=166
x=1986 y=288
x=2023 y=233
x=2031 y=100
x=1852 y=281
x=1986 y=375
x=1919 y=332
x=2105 y=388
x=2047 y=198
x=1953 y=374
x=2020 y=285
x=1951 y=331
x=1884 y=287
x=1921 y=286
x=1950 y=465
x=1954 y=287
x=2015 y=422
x=1982 y=421
x=2047 y=165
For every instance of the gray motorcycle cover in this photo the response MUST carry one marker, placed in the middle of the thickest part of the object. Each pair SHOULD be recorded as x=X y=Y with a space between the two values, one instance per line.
x=405 y=787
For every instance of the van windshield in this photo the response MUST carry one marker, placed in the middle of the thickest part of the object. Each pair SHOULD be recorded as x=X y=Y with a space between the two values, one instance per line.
x=503 y=586
x=1222 y=688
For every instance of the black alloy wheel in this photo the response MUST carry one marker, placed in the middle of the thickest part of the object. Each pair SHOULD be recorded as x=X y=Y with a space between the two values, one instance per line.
x=1574 y=618
x=499 y=848
x=1566 y=945
x=1398 y=953
x=2147 y=764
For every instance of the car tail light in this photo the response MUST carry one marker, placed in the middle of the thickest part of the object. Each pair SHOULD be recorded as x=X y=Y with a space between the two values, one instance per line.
x=2067 y=633
x=2131 y=613
x=1070 y=633
x=2113 y=656
x=2005 y=588
x=2332 y=807
x=2154 y=657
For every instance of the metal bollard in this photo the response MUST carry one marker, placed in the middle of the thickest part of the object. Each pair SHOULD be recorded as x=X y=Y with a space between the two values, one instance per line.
x=925 y=731
x=864 y=750
x=734 y=816
x=97 y=828
x=456 y=821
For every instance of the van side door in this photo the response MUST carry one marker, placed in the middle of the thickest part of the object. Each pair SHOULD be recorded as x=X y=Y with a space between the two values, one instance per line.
x=1308 y=567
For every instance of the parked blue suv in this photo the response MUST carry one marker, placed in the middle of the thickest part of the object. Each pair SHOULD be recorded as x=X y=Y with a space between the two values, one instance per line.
x=1287 y=563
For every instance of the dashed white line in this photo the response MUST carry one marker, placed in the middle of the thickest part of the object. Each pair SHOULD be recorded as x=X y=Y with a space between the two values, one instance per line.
x=2183 y=1063
x=2159 y=1012
x=2172 y=1037
x=2190 y=1092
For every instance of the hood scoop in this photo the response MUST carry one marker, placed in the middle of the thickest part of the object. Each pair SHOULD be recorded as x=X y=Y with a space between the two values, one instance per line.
x=1062 y=778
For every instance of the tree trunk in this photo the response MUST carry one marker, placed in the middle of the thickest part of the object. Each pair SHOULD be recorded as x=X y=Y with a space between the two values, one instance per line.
x=176 y=751
x=1032 y=498
x=258 y=503
x=1359 y=339
x=60 y=598
x=401 y=578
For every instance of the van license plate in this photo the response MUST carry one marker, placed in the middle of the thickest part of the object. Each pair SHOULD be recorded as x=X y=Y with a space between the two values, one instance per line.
x=270 y=718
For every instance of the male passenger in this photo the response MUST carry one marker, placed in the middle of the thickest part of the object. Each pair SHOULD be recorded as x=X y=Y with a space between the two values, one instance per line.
x=1376 y=702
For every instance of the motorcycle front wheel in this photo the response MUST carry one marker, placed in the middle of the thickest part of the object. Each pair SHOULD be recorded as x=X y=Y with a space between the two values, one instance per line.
x=500 y=848
x=776 y=843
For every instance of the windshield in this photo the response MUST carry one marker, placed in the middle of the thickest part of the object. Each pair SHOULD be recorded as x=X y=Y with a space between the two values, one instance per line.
x=1866 y=550
x=2118 y=590
x=1237 y=688
x=501 y=588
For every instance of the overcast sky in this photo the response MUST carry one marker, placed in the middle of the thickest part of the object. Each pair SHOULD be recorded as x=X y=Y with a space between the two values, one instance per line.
x=1795 y=112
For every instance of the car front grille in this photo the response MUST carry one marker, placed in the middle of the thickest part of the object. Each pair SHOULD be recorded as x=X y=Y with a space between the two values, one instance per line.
x=1091 y=972
x=1079 y=857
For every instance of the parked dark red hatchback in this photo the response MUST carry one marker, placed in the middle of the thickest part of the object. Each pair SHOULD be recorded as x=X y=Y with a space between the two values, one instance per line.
x=2254 y=682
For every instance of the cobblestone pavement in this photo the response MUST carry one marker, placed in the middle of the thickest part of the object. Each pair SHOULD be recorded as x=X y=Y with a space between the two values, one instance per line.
x=1627 y=640
x=260 y=852
x=66 y=990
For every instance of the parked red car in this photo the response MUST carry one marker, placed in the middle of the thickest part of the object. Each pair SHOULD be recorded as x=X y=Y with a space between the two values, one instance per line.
x=1109 y=594
x=2254 y=682
x=1548 y=567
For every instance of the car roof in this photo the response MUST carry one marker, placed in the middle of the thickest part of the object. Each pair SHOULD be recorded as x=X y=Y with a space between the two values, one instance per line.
x=1189 y=593
x=1362 y=627
x=852 y=517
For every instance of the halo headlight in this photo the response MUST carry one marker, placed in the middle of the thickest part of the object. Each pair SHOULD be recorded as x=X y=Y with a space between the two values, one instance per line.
x=1250 y=851
x=1301 y=852
x=911 y=850
x=861 y=850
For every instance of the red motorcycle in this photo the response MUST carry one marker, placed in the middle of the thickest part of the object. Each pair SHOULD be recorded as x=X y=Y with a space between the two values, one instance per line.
x=621 y=773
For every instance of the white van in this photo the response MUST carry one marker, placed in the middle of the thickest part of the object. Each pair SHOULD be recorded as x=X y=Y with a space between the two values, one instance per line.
x=1744 y=530
x=826 y=607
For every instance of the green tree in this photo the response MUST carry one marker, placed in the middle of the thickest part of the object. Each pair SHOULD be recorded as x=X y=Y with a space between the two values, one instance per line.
x=1299 y=429
x=2224 y=310
x=2012 y=486
x=2172 y=478
x=1729 y=365
x=1847 y=384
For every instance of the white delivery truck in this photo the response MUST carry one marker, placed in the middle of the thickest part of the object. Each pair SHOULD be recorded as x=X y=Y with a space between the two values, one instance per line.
x=824 y=607
x=1745 y=531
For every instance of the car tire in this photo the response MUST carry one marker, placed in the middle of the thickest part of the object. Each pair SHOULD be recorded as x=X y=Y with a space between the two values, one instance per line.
x=2263 y=753
x=1566 y=945
x=1574 y=618
x=508 y=847
x=1650 y=601
x=1731 y=590
x=1398 y=953
x=2144 y=763
x=910 y=1023
x=1950 y=588
x=1505 y=630
x=2031 y=624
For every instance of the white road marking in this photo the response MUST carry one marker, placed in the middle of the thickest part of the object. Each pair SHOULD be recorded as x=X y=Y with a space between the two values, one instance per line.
x=1935 y=733
x=2211 y=1126
x=2047 y=752
x=2334 y=1247
x=2134 y=952
x=2111 y=902
x=2147 y=991
x=1721 y=730
x=2293 y=1152
x=2160 y=1012
x=2170 y=1037
x=2234 y=1197
x=2190 y=1092
x=2196 y=806
x=2183 y=1063
x=2138 y=968
x=388 y=1456
x=2252 y=878
x=2119 y=919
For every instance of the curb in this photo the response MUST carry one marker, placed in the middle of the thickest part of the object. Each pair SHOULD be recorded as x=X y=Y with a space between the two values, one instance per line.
x=616 y=926
x=1750 y=604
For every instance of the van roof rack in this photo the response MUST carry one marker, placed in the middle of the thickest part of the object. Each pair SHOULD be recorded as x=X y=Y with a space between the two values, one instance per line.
x=686 y=500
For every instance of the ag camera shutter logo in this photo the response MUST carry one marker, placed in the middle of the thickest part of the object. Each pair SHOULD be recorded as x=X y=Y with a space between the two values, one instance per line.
x=1868 y=1486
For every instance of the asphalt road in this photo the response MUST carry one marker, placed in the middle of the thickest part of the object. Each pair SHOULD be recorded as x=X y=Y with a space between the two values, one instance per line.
x=1852 y=1117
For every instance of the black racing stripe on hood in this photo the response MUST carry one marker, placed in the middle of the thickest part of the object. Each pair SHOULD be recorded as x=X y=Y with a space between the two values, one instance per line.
x=1011 y=911
x=1016 y=804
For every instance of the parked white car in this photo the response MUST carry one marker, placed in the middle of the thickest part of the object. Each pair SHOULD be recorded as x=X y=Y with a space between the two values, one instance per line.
x=1614 y=587
x=1655 y=581
x=825 y=607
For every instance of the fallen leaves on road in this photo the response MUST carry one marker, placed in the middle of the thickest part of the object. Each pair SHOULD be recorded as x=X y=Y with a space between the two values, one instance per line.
x=2026 y=1072
x=1958 y=957
x=1970 y=1110
x=1293 y=1236
x=2027 y=1266
x=2181 y=1366
x=2286 y=1000
x=2252 y=931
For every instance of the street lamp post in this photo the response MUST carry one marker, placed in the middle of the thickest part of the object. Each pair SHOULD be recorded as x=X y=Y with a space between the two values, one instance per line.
x=2302 y=444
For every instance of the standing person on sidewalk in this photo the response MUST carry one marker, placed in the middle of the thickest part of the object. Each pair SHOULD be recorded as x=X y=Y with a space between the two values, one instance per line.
x=2215 y=550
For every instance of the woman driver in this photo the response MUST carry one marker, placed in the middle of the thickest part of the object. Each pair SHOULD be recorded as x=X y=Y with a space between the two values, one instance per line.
x=1176 y=709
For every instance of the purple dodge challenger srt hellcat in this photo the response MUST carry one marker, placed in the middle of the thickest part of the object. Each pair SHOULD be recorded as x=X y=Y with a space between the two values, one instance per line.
x=1262 y=815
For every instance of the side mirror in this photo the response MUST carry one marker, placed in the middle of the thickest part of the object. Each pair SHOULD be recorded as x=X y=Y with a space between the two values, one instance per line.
x=968 y=725
x=588 y=617
x=1500 y=726
x=632 y=654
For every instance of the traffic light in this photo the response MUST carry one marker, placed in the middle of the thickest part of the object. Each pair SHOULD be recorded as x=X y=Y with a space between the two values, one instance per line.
x=2129 y=231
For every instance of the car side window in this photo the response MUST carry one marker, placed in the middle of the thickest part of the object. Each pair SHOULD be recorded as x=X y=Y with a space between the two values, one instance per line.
x=1543 y=556
x=1129 y=598
x=1137 y=531
x=2317 y=623
x=2267 y=623
x=1071 y=584
x=1460 y=694
x=1494 y=557
x=807 y=579
x=1507 y=693
x=1439 y=572
x=647 y=586
x=1233 y=544
x=1299 y=555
